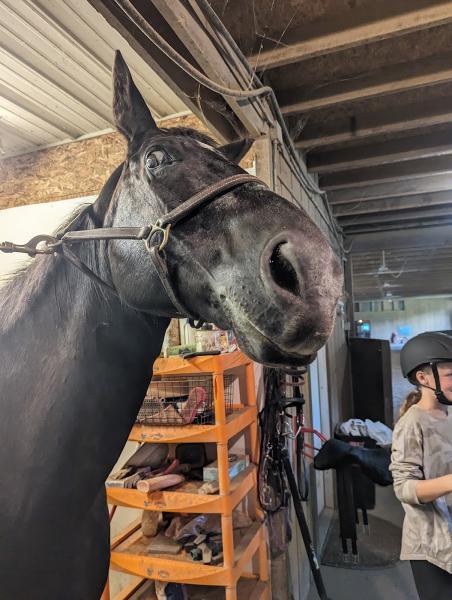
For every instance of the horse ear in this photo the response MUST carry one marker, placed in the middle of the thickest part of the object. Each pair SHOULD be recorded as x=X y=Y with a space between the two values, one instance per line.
x=130 y=111
x=235 y=151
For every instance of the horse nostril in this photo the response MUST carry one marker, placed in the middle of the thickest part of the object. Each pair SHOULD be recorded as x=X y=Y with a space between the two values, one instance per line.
x=282 y=271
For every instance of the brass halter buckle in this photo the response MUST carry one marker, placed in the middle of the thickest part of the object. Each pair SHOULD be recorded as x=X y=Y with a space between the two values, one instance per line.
x=156 y=228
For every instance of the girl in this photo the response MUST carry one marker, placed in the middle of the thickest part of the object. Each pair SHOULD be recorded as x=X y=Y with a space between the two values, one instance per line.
x=422 y=463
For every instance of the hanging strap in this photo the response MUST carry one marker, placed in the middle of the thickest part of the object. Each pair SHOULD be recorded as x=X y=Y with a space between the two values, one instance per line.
x=157 y=257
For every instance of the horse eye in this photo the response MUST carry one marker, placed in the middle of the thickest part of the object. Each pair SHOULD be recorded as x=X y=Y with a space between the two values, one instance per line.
x=155 y=159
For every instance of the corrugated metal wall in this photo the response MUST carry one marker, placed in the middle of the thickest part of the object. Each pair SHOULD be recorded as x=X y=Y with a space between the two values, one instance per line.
x=56 y=58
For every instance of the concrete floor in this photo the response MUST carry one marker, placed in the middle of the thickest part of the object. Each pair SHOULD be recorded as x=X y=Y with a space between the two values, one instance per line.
x=392 y=583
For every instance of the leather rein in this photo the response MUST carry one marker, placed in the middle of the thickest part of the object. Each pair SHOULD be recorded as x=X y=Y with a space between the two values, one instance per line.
x=155 y=236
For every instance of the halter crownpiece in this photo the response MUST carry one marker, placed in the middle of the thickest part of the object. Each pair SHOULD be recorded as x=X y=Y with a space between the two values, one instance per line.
x=155 y=236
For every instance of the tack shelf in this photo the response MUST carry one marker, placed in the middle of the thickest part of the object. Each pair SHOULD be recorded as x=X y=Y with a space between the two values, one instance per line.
x=130 y=558
x=130 y=549
x=186 y=502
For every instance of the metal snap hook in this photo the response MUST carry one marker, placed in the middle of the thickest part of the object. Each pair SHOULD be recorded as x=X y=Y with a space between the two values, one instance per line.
x=40 y=244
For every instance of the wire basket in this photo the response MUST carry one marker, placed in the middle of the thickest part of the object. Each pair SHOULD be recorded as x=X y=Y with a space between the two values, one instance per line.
x=183 y=401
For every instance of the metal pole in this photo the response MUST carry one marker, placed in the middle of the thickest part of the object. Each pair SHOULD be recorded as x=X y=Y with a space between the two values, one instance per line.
x=313 y=562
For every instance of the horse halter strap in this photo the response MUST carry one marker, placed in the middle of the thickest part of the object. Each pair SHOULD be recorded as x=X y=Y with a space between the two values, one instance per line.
x=155 y=236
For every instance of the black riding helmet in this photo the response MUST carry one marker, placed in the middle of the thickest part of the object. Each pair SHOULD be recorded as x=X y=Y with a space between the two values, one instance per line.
x=426 y=349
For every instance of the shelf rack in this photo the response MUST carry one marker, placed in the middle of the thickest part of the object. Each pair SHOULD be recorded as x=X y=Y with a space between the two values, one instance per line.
x=128 y=549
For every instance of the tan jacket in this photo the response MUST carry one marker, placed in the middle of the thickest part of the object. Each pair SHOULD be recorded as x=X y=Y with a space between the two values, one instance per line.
x=422 y=449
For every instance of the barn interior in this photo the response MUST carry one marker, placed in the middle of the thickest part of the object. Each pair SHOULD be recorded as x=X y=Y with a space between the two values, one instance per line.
x=353 y=124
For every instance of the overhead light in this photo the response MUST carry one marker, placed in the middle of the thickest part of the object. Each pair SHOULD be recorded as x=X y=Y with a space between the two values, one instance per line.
x=382 y=268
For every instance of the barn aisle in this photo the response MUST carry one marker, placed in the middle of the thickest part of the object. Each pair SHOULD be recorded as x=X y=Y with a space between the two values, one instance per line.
x=391 y=583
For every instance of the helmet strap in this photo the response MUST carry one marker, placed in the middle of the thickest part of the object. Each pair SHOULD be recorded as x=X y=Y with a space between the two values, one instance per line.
x=438 y=391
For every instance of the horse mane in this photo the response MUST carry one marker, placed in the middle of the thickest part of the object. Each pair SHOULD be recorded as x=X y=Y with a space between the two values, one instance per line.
x=16 y=295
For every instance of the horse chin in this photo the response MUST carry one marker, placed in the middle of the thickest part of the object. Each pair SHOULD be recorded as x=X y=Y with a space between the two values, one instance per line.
x=268 y=353
x=261 y=348
x=272 y=358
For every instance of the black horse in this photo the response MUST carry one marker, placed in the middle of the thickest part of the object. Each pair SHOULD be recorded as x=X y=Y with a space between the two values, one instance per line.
x=75 y=358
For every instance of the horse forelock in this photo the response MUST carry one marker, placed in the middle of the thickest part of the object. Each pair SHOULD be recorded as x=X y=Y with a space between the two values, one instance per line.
x=188 y=132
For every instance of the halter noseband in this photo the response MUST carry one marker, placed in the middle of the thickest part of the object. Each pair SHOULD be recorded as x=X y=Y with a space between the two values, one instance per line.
x=155 y=236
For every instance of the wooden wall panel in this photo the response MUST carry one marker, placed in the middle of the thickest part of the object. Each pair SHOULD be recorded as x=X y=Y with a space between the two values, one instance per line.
x=71 y=170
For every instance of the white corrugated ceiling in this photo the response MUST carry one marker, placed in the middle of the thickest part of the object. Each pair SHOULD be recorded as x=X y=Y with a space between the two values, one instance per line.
x=55 y=74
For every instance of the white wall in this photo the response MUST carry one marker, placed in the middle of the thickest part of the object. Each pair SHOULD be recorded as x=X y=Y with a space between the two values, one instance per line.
x=20 y=224
x=420 y=314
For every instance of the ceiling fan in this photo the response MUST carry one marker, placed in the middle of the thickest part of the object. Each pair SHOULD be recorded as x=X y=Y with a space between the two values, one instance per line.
x=384 y=270
x=386 y=285
x=386 y=289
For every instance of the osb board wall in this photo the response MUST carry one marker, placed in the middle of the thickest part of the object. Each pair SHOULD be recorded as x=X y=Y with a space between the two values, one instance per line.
x=71 y=170
x=61 y=172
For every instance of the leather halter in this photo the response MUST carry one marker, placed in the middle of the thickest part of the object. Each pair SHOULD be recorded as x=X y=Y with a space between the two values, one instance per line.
x=155 y=236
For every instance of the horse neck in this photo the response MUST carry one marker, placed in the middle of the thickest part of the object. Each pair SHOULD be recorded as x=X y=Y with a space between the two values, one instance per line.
x=89 y=361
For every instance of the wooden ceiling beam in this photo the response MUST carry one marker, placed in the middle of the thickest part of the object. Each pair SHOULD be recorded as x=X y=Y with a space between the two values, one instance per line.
x=407 y=272
x=413 y=275
x=381 y=153
x=210 y=107
x=390 y=80
x=410 y=169
x=383 y=228
x=413 y=280
x=389 y=204
x=407 y=187
x=375 y=294
x=199 y=41
x=437 y=290
x=401 y=254
x=393 y=261
x=428 y=238
x=445 y=211
x=439 y=277
x=351 y=37
x=384 y=122
x=413 y=248
x=400 y=258
x=367 y=277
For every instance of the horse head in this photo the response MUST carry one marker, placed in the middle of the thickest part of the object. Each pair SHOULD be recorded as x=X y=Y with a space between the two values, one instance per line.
x=249 y=261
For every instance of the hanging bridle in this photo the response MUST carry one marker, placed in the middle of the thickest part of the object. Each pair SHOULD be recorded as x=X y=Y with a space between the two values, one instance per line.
x=155 y=236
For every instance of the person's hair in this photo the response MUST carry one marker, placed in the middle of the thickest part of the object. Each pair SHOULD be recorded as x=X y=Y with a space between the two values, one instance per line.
x=412 y=398
x=415 y=395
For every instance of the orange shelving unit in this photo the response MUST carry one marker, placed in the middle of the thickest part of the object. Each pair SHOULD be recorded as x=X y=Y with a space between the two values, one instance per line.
x=128 y=550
